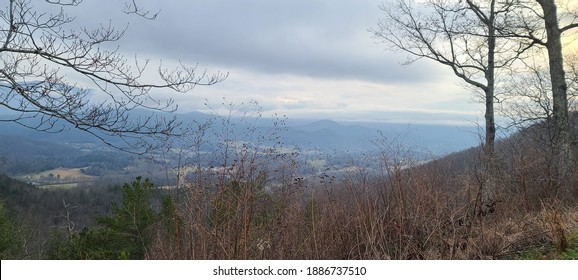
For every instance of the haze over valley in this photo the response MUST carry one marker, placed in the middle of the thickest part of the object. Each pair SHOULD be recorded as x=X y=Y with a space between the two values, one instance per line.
x=72 y=157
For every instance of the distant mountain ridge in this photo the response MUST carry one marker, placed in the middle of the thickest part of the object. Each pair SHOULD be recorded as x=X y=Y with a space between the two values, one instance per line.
x=323 y=135
x=453 y=137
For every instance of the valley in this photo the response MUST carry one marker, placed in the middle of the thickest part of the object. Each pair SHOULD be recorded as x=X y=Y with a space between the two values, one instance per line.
x=71 y=158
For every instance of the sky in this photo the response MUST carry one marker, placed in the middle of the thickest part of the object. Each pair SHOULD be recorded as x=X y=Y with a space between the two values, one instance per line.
x=299 y=58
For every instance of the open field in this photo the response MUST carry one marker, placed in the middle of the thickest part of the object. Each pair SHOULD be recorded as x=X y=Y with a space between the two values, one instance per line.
x=59 y=177
x=59 y=186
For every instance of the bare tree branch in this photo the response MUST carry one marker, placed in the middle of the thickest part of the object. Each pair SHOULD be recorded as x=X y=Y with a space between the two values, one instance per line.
x=131 y=7
x=472 y=38
x=40 y=50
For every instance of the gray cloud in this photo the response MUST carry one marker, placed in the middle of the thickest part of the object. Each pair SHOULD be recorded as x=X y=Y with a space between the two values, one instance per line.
x=309 y=57
x=323 y=38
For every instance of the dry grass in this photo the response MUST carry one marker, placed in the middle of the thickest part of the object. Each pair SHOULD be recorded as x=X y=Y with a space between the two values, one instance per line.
x=416 y=214
x=436 y=210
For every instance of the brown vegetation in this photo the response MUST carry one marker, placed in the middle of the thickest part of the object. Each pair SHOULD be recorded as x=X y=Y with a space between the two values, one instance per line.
x=428 y=211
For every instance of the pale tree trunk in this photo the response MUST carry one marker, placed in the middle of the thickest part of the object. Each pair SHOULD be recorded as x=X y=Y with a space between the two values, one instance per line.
x=490 y=191
x=563 y=136
x=490 y=80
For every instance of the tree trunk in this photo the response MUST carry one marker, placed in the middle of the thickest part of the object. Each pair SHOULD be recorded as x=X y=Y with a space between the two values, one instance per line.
x=490 y=159
x=563 y=136
x=489 y=91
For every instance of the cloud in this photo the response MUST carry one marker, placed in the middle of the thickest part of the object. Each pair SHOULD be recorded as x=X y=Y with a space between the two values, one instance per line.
x=288 y=102
x=303 y=97
x=323 y=38
x=302 y=58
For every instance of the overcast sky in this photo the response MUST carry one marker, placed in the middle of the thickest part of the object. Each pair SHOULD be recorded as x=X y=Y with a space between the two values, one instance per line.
x=302 y=58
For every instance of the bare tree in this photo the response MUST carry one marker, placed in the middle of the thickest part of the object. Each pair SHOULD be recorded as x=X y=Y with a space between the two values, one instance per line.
x=563 y=130
x=41 y=52
x=529 y=99
x=465 y=36
x=541 y=22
